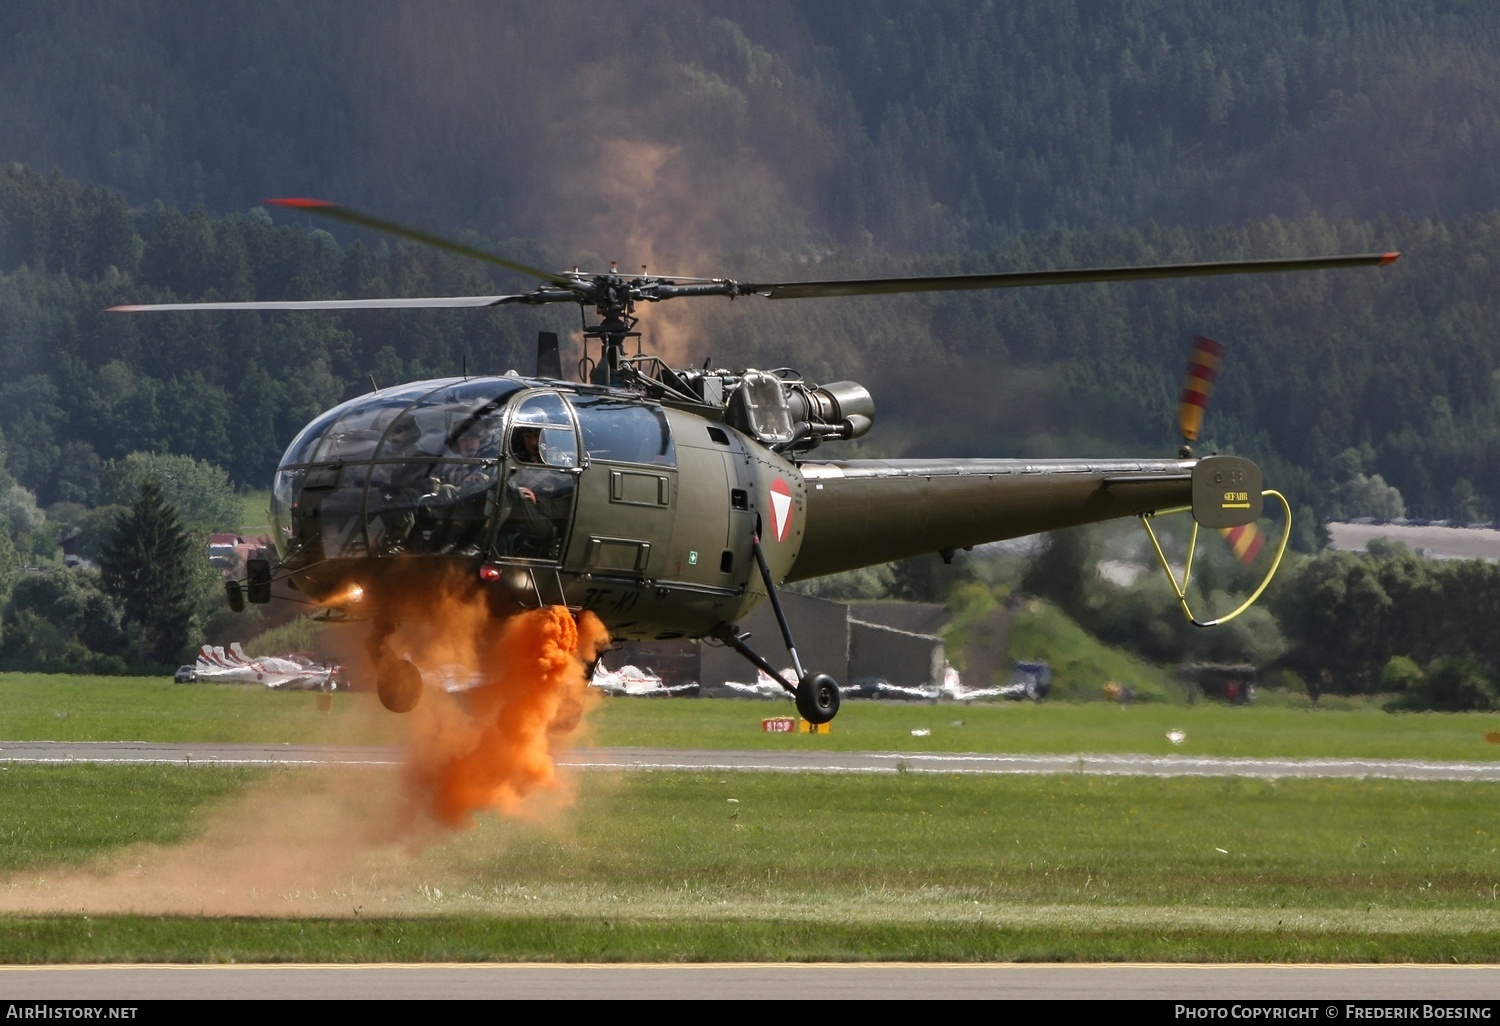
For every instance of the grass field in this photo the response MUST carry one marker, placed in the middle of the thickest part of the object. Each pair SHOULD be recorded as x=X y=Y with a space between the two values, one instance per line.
x=55 y=707
x=60 y=708
x=255 y=516
x=728 y=867
x=177 y=864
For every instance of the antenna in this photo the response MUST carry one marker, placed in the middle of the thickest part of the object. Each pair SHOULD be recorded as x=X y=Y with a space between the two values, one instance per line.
x=374 y=386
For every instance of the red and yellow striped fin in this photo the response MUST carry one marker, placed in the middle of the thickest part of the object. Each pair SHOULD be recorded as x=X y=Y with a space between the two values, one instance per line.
x=1244 y=541
x=1204 y=360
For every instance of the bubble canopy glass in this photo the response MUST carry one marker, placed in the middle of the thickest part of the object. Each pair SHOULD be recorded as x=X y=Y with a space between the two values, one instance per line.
x=436 y=467
x=406 y=469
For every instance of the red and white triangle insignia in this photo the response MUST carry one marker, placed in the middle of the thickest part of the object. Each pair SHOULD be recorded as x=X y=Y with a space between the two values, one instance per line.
x=781 y=508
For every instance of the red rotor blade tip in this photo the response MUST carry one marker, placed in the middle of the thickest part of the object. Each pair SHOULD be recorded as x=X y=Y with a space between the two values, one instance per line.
x=1386 y=259
x=302 y=202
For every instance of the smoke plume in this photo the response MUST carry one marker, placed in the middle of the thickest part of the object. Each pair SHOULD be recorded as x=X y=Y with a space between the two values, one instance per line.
x=502 y=688
x=491 y=746
x=334 y=840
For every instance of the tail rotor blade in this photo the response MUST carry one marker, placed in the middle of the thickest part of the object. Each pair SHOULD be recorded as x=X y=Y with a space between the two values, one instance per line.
x=1245 y=542
x=1204 y=360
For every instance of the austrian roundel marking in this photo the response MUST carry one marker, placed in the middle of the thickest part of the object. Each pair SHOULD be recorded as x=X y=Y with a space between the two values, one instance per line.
x=781 y=508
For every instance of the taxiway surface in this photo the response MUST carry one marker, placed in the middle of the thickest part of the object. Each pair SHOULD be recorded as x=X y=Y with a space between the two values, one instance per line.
x=763 y=761
x=1323 y=987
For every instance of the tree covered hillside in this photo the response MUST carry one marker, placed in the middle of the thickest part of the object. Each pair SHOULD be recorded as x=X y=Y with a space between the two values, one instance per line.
x=771 y=140
x=1332 y=377
x=900 y=125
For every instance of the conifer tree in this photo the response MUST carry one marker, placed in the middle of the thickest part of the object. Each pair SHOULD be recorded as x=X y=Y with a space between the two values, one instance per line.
x=147 y=567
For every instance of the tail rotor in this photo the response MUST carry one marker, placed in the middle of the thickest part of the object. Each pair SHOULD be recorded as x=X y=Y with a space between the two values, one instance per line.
x=1205 y=358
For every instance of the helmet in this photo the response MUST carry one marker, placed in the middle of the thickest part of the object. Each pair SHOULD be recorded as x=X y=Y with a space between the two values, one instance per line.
x=483 y=431
x=403 y=430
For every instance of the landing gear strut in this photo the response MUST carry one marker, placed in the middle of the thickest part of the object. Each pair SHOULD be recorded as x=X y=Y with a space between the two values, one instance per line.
x=817 y=694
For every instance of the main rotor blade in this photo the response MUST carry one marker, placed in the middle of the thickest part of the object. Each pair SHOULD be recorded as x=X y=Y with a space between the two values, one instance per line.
x=323 y=208
x=1015 y=279
x=439 y=302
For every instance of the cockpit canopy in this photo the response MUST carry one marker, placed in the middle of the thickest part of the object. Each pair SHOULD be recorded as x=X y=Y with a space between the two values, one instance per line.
x=467 y=467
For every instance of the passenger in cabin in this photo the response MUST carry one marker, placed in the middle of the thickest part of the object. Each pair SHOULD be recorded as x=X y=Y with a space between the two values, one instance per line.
x=400 y=485
x=451 y=521
x=538 y=500
x=526 y=444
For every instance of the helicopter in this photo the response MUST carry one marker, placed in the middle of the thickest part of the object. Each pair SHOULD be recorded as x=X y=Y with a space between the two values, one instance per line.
x=671 y=501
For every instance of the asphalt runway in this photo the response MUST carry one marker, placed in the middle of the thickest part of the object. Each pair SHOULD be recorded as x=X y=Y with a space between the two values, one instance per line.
x=1323 y=987
x=124 y=752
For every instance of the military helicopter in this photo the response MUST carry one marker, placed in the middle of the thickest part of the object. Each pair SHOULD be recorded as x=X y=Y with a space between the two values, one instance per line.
x=670 y=501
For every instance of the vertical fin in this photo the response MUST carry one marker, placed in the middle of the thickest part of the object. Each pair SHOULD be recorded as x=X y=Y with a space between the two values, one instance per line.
x=548 y=358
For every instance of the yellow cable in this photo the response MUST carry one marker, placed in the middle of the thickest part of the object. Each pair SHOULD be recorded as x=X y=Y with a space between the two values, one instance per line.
x=1181 y=589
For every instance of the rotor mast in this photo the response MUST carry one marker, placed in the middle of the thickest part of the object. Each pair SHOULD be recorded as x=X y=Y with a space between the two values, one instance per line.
x=614 y=304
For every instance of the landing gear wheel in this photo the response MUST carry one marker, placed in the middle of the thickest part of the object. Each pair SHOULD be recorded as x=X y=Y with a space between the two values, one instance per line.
x=400 y=687
x=818 y=698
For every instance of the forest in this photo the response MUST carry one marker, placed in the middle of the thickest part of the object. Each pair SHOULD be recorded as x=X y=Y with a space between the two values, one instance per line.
x=765 y=140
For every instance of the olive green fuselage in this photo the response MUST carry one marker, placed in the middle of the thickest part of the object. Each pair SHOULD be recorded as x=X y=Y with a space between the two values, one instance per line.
x=647 y=514
x=862 y=512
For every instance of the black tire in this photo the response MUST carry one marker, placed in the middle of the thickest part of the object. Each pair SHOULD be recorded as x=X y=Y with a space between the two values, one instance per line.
x=818 y=698
x=400 y=687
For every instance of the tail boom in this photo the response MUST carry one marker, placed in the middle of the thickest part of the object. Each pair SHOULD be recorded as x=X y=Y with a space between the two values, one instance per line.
x=866 y=512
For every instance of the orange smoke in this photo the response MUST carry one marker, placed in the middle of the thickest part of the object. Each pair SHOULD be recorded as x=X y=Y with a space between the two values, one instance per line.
x=502 y=688
x=491 y=746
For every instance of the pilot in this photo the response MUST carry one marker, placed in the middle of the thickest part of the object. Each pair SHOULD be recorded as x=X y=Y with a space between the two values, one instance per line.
x=538 y=500
x=397 y=488
x=403 y=437
x=526 y=444
x=462 y=504
x=466 y=478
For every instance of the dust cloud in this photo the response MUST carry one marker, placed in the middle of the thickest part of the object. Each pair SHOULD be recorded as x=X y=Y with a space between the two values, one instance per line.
x=332 y=841
x=624 y=151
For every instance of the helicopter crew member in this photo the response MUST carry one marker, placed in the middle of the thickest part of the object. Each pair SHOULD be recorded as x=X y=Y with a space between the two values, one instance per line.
x=463 y=502
x=461 y=479
x=401 y=485
x=538 y=499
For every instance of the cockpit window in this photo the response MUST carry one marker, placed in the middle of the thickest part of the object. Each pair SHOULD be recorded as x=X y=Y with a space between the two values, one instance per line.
x=413 y=469
x=306 y=443
x=377 y=426
x=542 y=432
x=352 y=431
x=622 y=431
x=464 y=419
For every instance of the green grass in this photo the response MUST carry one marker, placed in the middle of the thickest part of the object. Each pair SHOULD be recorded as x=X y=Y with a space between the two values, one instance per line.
x=255 y=516
x=664 y=866
x=1212 y=728
x=62 y=708
x=69 y=814
x=123 y=939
